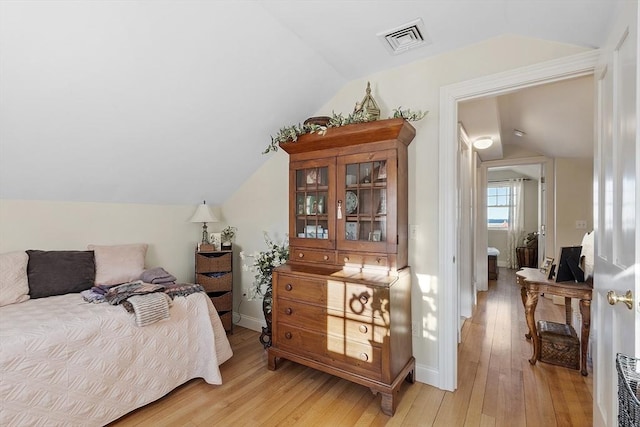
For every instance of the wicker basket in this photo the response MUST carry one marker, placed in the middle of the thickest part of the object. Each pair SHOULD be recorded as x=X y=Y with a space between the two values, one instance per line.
x=215 y=282
x=222 y=301
x=227 y=320
x=628 y=391
x=559 y=344
x=213 y=262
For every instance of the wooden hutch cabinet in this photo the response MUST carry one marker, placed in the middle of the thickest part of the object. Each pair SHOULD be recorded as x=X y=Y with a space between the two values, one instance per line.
x=342 y=304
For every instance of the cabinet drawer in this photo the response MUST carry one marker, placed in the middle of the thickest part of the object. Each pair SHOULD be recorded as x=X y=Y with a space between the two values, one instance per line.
x=331 y=321
x=353 y=356
x=215 y=282
x=358 y=300
x=349 y=259
x=206 y=263
x=222 y=301
x=312 y=255
x=301 y=289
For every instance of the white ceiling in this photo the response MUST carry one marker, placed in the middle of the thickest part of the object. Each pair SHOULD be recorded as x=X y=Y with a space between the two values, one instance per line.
x=557 y=120
x=172 y=101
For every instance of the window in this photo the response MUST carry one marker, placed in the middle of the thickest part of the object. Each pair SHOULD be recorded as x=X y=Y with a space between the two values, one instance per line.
x=499 y=204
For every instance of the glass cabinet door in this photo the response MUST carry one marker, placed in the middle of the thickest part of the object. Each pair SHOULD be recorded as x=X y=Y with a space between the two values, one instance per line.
x=364 y=197
x=314 y=217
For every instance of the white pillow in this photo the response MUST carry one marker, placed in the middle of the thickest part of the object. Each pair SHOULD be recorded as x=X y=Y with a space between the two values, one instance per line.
x=119 y=263
x=14 y=285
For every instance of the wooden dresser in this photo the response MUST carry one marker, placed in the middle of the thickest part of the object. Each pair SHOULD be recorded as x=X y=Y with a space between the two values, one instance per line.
x=342 y=304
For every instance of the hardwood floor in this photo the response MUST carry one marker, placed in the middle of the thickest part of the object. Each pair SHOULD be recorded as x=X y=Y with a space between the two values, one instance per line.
x=496 y=384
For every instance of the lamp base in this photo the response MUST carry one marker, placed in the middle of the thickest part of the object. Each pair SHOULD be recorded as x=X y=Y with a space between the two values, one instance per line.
x=205 y=234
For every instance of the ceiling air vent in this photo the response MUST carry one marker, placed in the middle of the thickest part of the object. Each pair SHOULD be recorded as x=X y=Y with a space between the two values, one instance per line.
x=408 y=36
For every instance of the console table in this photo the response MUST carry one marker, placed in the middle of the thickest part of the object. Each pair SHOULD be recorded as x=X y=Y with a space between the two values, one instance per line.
x=532 y=283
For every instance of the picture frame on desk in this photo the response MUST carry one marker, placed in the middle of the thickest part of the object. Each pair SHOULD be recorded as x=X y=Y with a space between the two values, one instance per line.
x=216 y=240
x=547 y=266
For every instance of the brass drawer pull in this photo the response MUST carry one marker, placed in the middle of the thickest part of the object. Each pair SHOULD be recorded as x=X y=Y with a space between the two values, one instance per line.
x=287 y=335
x=378 y=260
x=326 y=257
x=301 y=255
x=363 y=329
x=364 y=299
x=288 y=311
x=364 y=357
x=288 y=287
x=346 y=259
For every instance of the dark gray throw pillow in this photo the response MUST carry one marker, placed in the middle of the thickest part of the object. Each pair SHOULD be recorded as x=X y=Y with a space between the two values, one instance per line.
x=60 y=272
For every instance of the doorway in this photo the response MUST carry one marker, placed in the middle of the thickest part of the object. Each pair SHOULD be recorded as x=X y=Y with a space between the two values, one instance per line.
x=448 y=300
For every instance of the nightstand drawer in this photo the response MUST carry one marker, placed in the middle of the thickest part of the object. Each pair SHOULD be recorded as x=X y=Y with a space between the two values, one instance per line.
x=206 y=263
x=222 y=301
x=215 y=281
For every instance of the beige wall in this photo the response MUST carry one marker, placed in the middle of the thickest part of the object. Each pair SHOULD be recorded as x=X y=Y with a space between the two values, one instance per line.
x=574 y=200
x=261 y=203
x=49 y=225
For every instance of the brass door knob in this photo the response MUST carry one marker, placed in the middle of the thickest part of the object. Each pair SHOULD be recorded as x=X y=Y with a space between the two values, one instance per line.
x=288 y=311
x=614 y=298
x=288 y=287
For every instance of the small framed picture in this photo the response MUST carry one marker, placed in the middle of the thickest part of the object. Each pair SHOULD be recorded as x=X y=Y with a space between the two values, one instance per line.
x=312 y=176
x=215 y=239
x=382 y=172
x=351 y=230
x=546 y=266
x=375 y=235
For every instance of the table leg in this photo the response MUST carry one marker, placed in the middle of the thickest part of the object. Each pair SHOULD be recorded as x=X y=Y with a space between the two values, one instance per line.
x=529 y=311
x=585 y=312
x=523 y=295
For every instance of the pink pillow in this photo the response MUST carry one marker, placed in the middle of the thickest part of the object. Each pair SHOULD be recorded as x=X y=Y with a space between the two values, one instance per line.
x=14 y=285
x=119 y=263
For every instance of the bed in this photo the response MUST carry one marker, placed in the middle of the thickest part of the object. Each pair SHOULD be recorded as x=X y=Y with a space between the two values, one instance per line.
x=492 y=259
x=64 y=361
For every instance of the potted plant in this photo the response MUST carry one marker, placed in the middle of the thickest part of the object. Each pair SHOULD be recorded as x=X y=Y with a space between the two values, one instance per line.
x=263 y=264
x=226 y=237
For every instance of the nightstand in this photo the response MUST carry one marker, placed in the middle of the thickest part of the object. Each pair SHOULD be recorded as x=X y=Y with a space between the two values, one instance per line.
x=214 y=271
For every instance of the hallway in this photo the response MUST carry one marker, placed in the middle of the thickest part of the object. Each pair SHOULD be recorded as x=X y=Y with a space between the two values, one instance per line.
x=506 y=389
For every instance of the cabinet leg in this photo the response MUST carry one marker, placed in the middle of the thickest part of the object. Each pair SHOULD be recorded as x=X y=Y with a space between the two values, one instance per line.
x=271 y=361
x=388 y=404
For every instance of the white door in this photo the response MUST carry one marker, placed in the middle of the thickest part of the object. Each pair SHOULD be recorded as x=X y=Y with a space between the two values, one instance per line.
x=616 y=194
x=466 y=285
x=542 y=215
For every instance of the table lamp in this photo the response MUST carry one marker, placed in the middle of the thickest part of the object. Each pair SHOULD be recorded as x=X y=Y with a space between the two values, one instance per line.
x=204 y=215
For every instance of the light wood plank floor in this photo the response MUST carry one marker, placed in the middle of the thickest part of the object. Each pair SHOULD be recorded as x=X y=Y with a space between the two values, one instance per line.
x=496 y=384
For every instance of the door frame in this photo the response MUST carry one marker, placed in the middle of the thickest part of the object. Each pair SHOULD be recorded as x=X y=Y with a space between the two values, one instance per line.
x=546 y=72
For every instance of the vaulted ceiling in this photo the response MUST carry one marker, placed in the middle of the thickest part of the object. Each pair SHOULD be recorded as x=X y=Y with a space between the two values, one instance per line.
x=172 y=101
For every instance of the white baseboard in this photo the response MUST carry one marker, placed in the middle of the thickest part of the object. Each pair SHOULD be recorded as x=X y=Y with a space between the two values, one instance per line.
x=427 y=375
x=249 y=322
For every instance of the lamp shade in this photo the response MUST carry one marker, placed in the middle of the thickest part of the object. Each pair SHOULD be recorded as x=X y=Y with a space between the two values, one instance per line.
x=203 y=214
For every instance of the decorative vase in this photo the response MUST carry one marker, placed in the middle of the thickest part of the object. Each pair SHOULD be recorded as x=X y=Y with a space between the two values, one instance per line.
x=265 y=337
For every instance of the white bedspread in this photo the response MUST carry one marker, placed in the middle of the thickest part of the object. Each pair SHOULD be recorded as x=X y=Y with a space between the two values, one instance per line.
x=67 y=362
